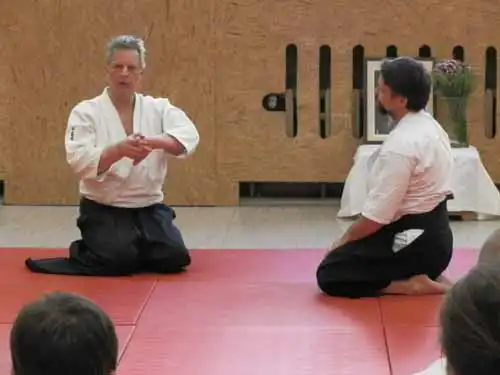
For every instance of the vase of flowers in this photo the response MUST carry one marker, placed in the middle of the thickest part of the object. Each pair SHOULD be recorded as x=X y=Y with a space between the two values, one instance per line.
x=453 y=83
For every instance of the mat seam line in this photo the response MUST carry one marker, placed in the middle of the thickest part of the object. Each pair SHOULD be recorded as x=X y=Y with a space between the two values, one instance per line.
x=139 y=315
x=384 y=332
x=134 y=324
x=148 y=298
x=126 y=345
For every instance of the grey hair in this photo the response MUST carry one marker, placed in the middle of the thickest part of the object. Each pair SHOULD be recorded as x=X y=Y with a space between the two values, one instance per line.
x=127 y=42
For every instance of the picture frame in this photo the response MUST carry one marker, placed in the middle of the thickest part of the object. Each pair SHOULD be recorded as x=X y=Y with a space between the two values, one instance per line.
x=376 y=125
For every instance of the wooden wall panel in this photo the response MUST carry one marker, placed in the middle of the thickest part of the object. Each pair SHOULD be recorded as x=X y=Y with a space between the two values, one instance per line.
x=252 y=144
x=217 y=60
x=255 y=147
x=188 y=48
x=4 y=92
x=4 y=97
x=56 y=58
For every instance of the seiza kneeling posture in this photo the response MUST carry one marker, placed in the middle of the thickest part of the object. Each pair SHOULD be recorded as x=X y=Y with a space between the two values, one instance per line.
x=402 y=242
x=118 y=144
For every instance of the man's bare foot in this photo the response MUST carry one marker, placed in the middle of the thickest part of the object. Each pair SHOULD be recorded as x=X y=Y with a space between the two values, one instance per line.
x=416 y=285
x=424 y=285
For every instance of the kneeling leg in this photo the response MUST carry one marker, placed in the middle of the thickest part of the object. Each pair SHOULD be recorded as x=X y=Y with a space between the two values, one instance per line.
x=163 y=249
x=344 y=274
x=107 y=247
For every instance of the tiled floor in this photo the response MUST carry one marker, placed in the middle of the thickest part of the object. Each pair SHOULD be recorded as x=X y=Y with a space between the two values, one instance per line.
x=249 y=227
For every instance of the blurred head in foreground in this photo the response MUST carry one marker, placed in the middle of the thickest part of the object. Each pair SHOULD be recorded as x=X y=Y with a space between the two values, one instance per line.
x=470 y=322
x=61 y=334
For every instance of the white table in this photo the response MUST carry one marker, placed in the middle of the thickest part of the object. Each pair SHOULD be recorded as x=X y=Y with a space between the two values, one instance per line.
x=473 y=188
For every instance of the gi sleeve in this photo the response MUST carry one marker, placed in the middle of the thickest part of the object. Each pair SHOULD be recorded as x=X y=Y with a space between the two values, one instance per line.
x=389 y=181
x=82 y=153
x=177 y=124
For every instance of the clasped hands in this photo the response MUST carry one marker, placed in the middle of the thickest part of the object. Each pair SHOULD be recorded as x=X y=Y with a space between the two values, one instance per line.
x=136 y=147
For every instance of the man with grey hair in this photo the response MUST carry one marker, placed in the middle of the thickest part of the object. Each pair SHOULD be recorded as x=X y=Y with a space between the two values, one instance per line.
x=118 y=144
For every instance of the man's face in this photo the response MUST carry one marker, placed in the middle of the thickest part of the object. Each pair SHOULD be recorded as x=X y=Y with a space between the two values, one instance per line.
x=124 y=72
x=387 y=102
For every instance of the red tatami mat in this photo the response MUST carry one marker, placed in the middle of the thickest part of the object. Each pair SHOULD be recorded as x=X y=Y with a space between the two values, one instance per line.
x=423 y=310
x=243 y=312
x=262 y=266
x=415 y=311
x=463 y=260
x=291 y=350
x=122 y=298
x=411 y=323
x=244 y=304
x=412 y=349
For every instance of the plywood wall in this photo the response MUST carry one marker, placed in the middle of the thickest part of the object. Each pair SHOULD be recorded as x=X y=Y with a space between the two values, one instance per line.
x=56 y=59
x=216 y=60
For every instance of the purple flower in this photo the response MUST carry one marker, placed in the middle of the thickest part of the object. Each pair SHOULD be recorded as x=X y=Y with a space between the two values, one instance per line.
x=449 y=67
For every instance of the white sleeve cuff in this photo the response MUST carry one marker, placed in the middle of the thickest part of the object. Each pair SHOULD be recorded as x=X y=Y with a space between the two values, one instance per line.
x=374 y=218
x=177 y=125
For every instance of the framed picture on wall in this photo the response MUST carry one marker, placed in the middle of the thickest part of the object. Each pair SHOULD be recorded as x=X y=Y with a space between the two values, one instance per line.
x=377 y=125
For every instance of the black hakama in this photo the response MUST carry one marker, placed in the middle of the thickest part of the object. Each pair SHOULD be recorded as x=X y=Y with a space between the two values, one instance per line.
x=120 y=242
x=365 y=267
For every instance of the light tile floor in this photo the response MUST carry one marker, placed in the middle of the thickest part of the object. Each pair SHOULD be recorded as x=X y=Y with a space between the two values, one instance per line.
x=261 y=225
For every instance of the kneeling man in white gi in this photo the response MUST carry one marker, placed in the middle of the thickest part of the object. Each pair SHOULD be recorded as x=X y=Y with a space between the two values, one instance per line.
x=403 y=241
x=118 y=144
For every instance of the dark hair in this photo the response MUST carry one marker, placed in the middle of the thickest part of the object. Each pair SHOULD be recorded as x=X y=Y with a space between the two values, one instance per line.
x=407 y=78
x=470 y=322
x=62 y=334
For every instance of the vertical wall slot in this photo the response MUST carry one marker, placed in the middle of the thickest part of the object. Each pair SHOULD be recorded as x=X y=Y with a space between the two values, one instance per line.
x=458 y=53
x=490 y=94
x=325 y=85
x=424 y=51
x=291 y=78
x=358 y=105
x=391 y=51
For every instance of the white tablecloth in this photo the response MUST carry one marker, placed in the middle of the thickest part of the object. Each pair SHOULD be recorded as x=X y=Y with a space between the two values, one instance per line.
x=473 y=188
